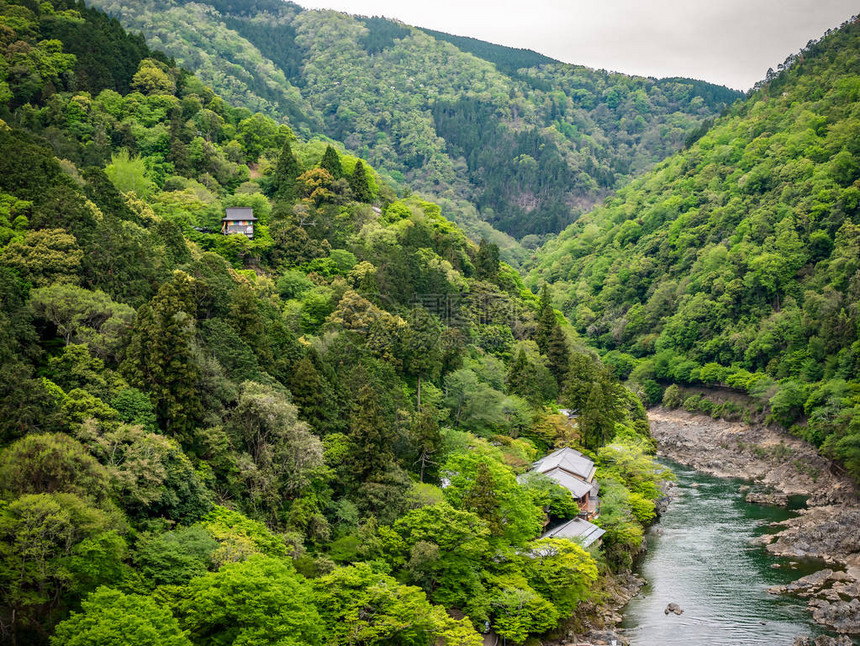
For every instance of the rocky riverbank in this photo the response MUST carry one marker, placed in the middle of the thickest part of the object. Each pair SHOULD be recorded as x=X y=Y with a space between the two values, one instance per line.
x=780 y=465
x=595 y=622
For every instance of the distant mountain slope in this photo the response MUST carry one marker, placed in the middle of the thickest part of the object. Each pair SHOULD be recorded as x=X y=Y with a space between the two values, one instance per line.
x=506 y=59
x=457 y=119
x=742 y=253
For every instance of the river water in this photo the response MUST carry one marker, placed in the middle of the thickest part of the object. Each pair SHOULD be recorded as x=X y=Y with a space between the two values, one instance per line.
x=700 y=556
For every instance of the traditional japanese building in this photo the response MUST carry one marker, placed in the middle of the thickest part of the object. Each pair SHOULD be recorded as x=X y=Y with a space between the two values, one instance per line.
x=578 y=530
x=239 y=219
x=575 y=472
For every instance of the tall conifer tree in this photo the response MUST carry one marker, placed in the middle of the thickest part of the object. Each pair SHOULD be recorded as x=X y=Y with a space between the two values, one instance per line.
x=359 y=183
x=159 y=360
x=284 y=186
x=331 y=163
x=546 y=320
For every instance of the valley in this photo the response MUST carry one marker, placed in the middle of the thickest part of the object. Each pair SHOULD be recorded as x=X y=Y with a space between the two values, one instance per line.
x=329 y=330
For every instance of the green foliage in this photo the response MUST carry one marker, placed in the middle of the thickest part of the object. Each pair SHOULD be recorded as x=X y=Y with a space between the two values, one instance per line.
x=258 y=602
x=112 y=618
x=734 y=262
x=672 y=397
x=490 y=489
x=51 y=545
x=441 y=550
x=593 y=130
x=360 y=606
x=176 y=557
x=321 y=379
x=159 y=358
x=561 y=571
x=49 y=464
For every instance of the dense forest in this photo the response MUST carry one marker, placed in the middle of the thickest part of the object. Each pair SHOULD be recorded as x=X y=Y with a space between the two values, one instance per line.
x=309 y=437
x=737 y=262
x=555 y=139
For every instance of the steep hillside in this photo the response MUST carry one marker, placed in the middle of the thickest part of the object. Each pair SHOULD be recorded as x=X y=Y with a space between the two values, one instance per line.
x=552 y=140
x=738 y=261
x=209 y=439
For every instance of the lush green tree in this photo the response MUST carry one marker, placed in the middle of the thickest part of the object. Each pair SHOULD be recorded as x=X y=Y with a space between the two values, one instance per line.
x=423 y=351
x=261 y=601
x=52 y=463
x=80 y=314
x=561 y=571
x=283 y=451
x=442 y=550
x=50 y=545
x=596 y=420
x=111 y=618
x=45 y=256
x=530 y=379
x=487 y=486
x=430 y=444
x=175 y=557
x=369 y=434
x=558 y=355
x=313 y=396
x=481 y=498
x=360 y=606
x=519 y=611
x=148 y=472
x=487 y=261
x=547 y=321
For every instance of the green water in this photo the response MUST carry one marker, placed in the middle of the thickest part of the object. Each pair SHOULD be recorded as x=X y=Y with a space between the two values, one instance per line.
x=700 y=556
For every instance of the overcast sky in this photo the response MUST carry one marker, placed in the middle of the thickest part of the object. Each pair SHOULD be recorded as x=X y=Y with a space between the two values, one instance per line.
x=732 y=42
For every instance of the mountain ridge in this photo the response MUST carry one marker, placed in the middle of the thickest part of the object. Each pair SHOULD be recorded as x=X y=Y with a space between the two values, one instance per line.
x=589 y=124
x=736 y=262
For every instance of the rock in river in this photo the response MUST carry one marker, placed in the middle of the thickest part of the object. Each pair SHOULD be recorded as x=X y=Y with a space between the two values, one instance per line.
x=776 y=499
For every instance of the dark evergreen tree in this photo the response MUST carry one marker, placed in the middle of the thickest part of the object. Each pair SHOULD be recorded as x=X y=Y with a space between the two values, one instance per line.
x=311 y=393
x=429 y=441
x=547 y=321
x=596 y=422
x=423 y=348
x=531 y=381
x=359 y=184
x=371 y=450
x=247 y=320
x=283 y=181
x=331 y=163
x=487 y=261
x=558 y=355
x=582 y=372
x=159 y=358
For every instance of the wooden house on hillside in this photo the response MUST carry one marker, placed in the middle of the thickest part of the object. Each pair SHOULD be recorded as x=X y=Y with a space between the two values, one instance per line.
x=239 y=219
x=575 y=472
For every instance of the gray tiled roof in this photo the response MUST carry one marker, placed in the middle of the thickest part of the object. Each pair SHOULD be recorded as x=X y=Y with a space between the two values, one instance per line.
x=576 y=486
x=577 y=529
x=239 y=213
x=568 y=459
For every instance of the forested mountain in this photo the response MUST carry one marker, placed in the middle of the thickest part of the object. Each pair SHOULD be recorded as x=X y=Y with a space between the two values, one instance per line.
x=737 y=262
x=213 y=440
x=495 y=135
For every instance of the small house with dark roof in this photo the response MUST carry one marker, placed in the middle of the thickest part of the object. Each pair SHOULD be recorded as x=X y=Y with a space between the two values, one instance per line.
x=239 y=219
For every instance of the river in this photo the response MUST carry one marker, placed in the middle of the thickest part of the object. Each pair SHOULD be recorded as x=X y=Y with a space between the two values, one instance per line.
x=701 y=556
